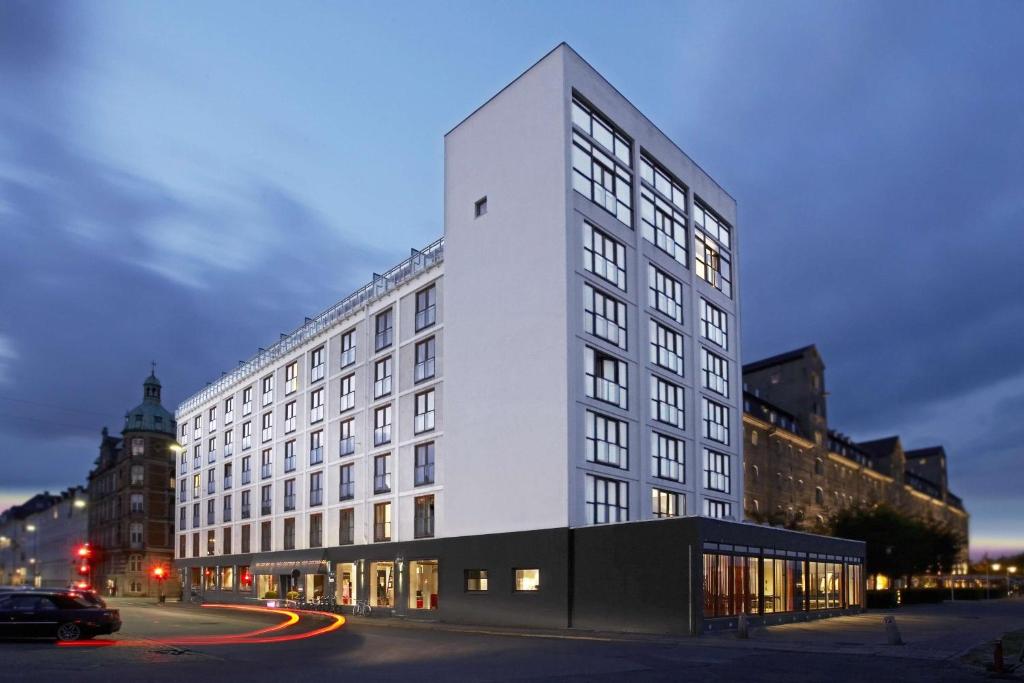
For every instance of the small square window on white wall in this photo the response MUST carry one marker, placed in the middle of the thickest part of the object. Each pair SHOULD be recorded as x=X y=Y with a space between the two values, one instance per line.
x=480 y=207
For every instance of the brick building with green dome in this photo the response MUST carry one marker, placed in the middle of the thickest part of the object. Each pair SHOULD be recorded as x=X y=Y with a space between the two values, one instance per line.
x=131 y=500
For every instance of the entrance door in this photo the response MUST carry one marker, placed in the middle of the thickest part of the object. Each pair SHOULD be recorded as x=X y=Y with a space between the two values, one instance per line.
x=423 y=582
x=382 y=584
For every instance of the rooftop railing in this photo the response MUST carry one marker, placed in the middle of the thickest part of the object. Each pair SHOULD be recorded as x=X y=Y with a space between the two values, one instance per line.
x=418 y=262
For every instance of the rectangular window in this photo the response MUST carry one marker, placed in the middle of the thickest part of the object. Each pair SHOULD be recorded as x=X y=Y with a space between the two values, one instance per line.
x=226 y=512
x=197 y=485
x=229 y=410
x=346 y=526
x=246 y=401
x=211 y=420
x=246 y=505
x=289 y=533
x=731 y=584
x=211 y=511
x=715 y=372
x=211 y=548
x=291 y=377
x=714 y=324
x=717 y=475
x=664 y=293
x=227 y=476
x=525 y=580
x=136 y=502
x=229 y=443
x=423 y=521
x=265 y=532
x=601 y=175
x=603 y=256
x=266 y=500
x=289 y=495
x=666 y=348
x=316 y=447
x=183 y=460
x=667 y=403
x=383 y=328
x=316 y=364
x=426 y=307
x=266 y=464
x=607 y=500
x=246 y=435
x=424 y=464
x=476 y=580
x=605 y=378
x=607 y=440
x=664 y=503
x=717 y=509
x=316 y=488
x=716 y=421
x=246 y=543
x=423 y=419
x=425 y=360
x=182 y=512
x=348 y=348
x=382 y=425
x=316 y=530
x=195 y=545
x=347 y=482
x=267 y=385
x=604 y=316
x=348 y=393
x=197 y=427
x=289 y=417
x=183 y=490
x=348 y=440
x=381 y=522
x=663 y=226
x=382 y=474
x=197 y=457
x=711 y=237
x=246 y=470
x=211 y=450
x=268 y=427
x=316 y=406
x=668 y=458
x=382 y=377
x=181 y=546
x=195 y=515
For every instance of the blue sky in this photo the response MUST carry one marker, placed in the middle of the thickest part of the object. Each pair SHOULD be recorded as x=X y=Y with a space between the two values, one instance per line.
x=183 y=181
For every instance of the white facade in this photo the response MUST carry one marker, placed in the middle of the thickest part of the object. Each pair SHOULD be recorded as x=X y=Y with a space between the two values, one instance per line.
x=546 y=306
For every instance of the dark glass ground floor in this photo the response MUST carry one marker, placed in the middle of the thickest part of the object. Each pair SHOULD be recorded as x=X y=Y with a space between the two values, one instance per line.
x=683 y=575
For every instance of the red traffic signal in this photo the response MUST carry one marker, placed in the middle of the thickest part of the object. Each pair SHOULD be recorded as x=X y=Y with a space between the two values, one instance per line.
x=159 y=573
x=84 y=551
x=83 y=569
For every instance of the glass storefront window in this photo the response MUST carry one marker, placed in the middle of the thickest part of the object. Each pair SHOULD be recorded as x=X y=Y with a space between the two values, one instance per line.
x=346 y=583
x=195 y=577
x=854 y=585
x=314 y=586
x=227 y=578
x=210 y=578
x=266 y=586
x=382 y=584
x=730 y=585
x=823 y=581
x=423 y=583
x=244 y=578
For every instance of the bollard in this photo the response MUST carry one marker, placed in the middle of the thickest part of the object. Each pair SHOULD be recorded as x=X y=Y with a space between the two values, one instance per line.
x=742 y=627
x=892 y=632
x=997 y=657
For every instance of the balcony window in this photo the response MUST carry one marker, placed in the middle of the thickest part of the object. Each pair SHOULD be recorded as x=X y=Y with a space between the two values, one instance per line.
x=382 y=425
x=348 y=441
x=382 y=377
x=246 y=401
x=347 y=482
x=348 y=348
x=425 y=360
x=667 y=403
x=424 y=472
x=316 y=488
x=382 y=474
x=603 y=256
x=316 y=447
x=426 y=307
x=423 y=520
x=423 y=419
x=607 y=440
x=316 y=406
x=668 y=458
x=289 y=417
x=348 y=393
x=605 y=377
x=267 y=385
x=664 y=293
x=316 y=364
x=289 y=495
x=382 y=522
x=289 y=456
x=383 y=329
x=604 y=316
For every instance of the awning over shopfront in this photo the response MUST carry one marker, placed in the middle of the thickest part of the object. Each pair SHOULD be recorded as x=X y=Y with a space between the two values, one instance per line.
x=280 y=567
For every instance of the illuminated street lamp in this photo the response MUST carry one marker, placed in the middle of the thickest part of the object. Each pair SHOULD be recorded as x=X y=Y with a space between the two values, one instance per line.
x=31 y=528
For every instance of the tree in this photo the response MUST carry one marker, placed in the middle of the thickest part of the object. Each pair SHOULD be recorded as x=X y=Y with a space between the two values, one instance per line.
x=898 y=545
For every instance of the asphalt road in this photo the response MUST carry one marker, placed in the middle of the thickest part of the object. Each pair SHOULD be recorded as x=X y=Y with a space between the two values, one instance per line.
x=185 y=643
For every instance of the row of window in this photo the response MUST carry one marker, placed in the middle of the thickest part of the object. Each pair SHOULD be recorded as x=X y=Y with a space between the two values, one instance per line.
x=426 y=316
x=602 y=161
x=607 y=500
x=423 y=421
x=423 y=527
x=423 y=474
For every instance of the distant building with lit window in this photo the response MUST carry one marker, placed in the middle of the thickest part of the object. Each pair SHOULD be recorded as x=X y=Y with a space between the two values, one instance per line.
x=558 y=372
x=131 y=500
x=38 y=539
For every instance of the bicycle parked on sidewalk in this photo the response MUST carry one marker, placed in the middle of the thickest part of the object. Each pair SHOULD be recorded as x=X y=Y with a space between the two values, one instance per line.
x=362 y=608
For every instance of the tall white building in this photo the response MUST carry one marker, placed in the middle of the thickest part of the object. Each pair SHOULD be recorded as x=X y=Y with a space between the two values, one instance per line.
x=567 y=355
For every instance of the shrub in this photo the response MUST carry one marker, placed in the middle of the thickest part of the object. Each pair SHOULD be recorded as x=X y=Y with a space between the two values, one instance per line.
x=270 y=595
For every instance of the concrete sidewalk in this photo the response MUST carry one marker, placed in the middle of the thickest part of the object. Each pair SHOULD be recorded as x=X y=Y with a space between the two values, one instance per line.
x=933 y=632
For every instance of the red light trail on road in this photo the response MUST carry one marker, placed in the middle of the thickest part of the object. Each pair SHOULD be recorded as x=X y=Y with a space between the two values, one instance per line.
x=259 y=636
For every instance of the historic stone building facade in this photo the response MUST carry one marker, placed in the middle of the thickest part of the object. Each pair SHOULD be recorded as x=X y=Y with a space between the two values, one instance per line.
x=799 y=472
x=131 y=500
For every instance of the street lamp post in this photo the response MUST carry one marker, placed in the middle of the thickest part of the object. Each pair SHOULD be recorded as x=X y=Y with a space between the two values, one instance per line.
x=992 y=567
x=31 y=528
x=1009 y=570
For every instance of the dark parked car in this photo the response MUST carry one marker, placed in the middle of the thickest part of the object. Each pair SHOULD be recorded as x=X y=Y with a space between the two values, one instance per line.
x=63 y=615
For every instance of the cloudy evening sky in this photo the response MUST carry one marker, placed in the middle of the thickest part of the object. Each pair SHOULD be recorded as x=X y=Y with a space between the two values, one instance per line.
x=182 y=181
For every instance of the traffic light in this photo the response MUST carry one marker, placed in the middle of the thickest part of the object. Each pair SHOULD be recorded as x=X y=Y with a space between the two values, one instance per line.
x=83 y=569
x=159 y=573
x=84 y=552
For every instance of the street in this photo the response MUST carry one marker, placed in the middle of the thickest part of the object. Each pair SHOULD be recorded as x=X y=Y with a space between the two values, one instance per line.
x=182 y=642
